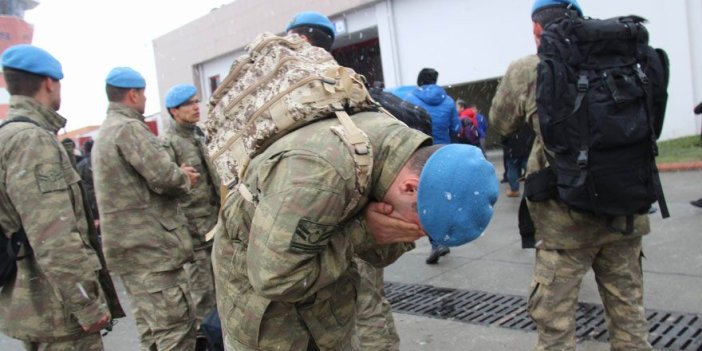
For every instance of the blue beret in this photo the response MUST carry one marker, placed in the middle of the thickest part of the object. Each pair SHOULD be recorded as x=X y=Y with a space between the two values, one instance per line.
x=32 y=59
x=539 y=4
x=178 y=94
x=457 y=190
x=314 y=19
x=125 y=77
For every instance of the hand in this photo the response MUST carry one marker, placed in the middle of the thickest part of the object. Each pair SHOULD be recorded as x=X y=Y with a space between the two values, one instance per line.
x=191 y=172
x=387 y=229
x=97 y=223
x=97 y=326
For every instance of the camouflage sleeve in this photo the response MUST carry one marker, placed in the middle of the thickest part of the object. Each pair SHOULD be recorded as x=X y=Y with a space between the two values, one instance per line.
x=514 y=101
x=147 y=155
x=368 y=250
x=167 y=143
x=43 y=199
x=296 y=245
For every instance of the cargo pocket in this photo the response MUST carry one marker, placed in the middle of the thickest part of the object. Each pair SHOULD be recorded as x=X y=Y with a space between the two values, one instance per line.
x=170 y=307
x=544 y=275
x=243 y=321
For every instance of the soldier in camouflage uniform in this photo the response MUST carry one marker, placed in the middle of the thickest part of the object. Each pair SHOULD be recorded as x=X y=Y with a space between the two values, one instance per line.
x=144 y=233
x=55 y=301
x=569 y=243
x=284 y=268
x=375 y=327
x=201 y=204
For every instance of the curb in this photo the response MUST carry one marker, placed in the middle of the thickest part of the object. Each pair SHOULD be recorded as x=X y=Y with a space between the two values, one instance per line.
x=679 y=166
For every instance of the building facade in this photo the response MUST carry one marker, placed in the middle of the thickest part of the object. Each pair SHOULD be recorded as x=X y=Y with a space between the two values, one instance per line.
x=470 y=43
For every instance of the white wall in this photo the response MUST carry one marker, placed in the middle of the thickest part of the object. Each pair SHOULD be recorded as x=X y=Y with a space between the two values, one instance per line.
x=471 y=40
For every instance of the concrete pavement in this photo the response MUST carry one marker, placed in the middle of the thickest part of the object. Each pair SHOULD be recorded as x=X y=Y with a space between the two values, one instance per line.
x=496 y=263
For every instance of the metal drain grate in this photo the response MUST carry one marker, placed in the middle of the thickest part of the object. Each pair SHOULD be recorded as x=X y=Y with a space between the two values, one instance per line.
x=668 y=330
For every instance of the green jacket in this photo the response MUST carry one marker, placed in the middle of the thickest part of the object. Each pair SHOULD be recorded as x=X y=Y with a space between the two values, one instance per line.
x=283 y=264
x=137 y=186
x=557 y=227
x=201 y=204
x=56 y=290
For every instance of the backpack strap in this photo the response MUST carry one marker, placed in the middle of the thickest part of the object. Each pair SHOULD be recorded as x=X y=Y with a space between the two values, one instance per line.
x=18 y=244
x=582 y=160
x=19 y=119
x=665 y=213
x=360 y=149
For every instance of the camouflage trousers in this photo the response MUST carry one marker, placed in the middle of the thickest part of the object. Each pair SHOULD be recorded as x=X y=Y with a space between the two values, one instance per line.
x=92 y=342
x=554 y=294
x=202 y=289
x=375 y=326
x=163 y=310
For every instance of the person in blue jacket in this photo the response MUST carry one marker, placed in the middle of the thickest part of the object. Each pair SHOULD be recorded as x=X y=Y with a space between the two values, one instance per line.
x=438 y=103
x=444 y=125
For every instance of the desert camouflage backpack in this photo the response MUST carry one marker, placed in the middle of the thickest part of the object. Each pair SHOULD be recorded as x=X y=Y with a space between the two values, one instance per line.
x=282 y=84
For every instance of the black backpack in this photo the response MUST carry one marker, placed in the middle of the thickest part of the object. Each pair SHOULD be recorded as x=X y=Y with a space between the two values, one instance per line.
x=412 y=115
x=601 y=98
x=16 y=247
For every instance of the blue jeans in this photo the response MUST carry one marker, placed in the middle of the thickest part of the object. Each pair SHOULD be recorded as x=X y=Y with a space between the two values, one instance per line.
x=515 y=168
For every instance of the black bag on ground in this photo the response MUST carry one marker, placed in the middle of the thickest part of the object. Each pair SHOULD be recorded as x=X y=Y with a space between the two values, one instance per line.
x=601 y=98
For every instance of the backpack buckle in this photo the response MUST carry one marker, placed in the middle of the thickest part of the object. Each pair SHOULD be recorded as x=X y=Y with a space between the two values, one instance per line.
x=642 y=75
x=582 y=159
x=583 y=83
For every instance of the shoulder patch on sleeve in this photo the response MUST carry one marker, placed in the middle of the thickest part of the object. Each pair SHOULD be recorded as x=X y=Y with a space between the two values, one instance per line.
x=50 y=177
x=311 y=237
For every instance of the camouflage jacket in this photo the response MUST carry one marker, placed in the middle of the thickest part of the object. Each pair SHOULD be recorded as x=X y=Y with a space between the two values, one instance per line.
x=137 y=186
x=557 y=227
x=201 y=204
x=283 y=264
x=56 y=290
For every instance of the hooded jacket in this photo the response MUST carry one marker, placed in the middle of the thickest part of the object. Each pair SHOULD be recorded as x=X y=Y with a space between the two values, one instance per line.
x=442 y=109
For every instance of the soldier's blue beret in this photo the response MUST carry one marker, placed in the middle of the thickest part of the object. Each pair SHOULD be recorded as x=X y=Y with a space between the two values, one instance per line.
x=313 y=19
x=32 y=59
x=125 y=77
x=539 y=4
x=457 y=191
x=178 y=94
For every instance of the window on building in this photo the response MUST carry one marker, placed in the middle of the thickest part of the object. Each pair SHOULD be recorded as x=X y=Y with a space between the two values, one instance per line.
x=214 y=83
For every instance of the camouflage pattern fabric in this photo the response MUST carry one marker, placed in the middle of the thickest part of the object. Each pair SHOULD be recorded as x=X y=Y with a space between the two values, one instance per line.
x=144 y=231
x=375 y=326
x=569 y=242
x=201 y=207
x=92 y=342
x=281 y=84
x=56 y=291
x=137 y=186
x=557 y=227
x=283 y=263
x=163 y=310
x=201 y=204
x=554 y=294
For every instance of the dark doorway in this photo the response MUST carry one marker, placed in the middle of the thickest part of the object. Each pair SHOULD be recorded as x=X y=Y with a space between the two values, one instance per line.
x=363 y=57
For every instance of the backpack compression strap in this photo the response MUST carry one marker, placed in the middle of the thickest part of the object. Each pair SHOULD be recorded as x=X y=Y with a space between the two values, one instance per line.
x=360 y=149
